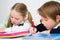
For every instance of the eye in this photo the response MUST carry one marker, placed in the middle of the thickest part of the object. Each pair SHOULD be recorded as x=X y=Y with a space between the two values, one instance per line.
x=46 y=19
x=17 y=18
x=11 y=17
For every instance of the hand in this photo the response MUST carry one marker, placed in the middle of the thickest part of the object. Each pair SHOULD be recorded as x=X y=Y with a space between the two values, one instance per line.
x=2 y=29
x=33 y=30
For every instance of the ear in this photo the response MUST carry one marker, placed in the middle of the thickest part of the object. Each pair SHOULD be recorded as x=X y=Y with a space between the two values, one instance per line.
x=57 y=18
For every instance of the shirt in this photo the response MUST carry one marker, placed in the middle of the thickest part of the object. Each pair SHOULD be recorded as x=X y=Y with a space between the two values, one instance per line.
x=41 y=27
x=56 y=29
x=26 y=26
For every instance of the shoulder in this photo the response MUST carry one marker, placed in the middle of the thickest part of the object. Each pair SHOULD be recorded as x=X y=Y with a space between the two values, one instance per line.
x=55 y=30
x=27 y=22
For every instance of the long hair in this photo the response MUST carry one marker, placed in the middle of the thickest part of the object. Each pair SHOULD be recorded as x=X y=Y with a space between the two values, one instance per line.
x=50 y=9
x=20 y=7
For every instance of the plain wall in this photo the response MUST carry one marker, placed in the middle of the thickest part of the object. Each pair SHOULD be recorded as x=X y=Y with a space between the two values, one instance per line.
x=32 y=5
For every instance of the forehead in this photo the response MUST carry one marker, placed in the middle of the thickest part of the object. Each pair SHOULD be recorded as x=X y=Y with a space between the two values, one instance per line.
x=15 y=13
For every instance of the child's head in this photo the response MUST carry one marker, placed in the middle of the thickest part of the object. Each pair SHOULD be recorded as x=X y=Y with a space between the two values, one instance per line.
x=50 y=12
x=18 y=14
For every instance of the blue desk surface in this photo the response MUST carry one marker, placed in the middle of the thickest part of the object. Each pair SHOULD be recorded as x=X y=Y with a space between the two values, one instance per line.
x=50 y=36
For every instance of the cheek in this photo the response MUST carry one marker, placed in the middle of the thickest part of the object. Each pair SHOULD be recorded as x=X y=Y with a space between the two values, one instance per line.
x=19 y=21
x=47 y=24
x=13 y=20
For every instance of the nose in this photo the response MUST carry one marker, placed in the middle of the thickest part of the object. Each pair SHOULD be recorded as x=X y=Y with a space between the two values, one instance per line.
x=13 y=20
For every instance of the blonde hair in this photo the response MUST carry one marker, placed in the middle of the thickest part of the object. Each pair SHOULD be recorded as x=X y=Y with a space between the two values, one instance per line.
x=20 y=7
x=50 y=9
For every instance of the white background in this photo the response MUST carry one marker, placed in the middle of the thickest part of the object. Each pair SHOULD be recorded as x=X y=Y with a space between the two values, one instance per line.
x=32 y=5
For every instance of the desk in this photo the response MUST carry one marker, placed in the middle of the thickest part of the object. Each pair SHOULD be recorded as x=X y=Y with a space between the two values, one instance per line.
x=43 y=37
x=38 y=36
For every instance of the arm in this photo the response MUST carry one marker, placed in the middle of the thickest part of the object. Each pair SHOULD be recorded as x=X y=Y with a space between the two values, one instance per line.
x=2 y=29
x=37 y=28
x=52 y=31
x=33 y=30
x=56 y=30
x=46 y=32
x=41 y=28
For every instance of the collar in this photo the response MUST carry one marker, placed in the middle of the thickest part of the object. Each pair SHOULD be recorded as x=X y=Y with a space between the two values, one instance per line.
x=57 y=25
x=21 y=24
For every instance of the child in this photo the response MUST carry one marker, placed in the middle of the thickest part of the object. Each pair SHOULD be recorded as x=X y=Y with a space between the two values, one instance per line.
x=50 y=13
x=19 y=19
x=40 y=27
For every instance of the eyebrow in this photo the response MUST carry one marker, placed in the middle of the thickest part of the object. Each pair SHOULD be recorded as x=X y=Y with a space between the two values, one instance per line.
x=15 y=17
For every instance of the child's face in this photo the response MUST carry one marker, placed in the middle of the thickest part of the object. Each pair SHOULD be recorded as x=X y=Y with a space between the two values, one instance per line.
x=48 y=23
x=16 y=17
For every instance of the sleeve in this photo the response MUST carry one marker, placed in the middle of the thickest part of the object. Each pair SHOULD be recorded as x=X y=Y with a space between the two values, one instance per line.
x=57 y=30
x=41 y=27
x=25 y=27
x=8 y=30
